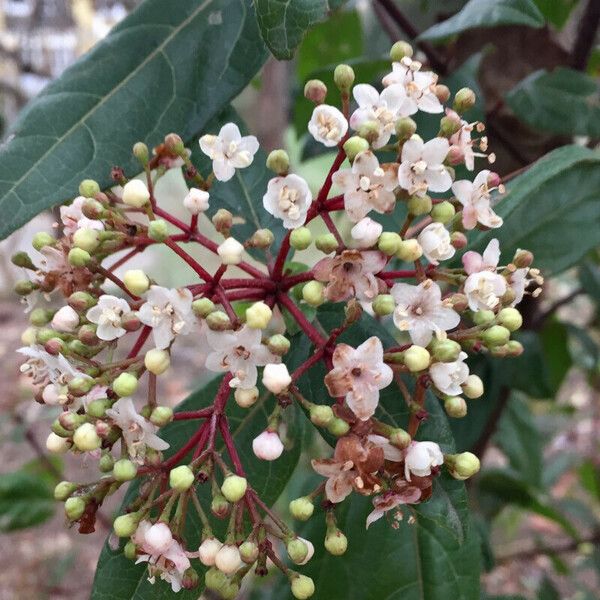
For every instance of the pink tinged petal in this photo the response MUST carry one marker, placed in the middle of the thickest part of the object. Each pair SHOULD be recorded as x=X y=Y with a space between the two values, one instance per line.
x=223 y=169
x=345 y=179
x=435 y=151
x=491 y=255
x=322 y=270
x=469 y=217
x=481 y=178
x=429 y=103
x=472 y=261
x=365 y=95
x=356 y=205
x=337 y=489
x=412 y=151
x=463 y=190
x=375 y=515
x=373 y=261
x=230 y=132
x=363 y=401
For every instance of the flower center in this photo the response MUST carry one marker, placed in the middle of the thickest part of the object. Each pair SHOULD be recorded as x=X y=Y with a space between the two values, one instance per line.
x=419 y=167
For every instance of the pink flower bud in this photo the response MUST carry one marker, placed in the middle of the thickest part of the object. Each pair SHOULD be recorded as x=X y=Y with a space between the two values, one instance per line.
x=158 y=539
x=267 y=446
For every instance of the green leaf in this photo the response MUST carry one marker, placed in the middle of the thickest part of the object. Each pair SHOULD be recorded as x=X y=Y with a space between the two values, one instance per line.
x=487 y=13
x=547 y=591
x=551 y=209
x=589 y=277
x=25 y=500
x=120 y=579
x=556 y=11
x=283 y=23
x=158 y=71
x=564 y=102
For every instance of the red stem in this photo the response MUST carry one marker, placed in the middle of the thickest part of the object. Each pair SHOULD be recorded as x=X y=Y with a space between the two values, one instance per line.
x=140 y=341
x=302 y=321
x=199 y=438
x=201 y=271
x=193 y=414
x=397 y=274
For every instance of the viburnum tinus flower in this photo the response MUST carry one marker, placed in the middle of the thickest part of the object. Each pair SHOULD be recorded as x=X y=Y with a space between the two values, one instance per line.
x=449 y=376
x=484 y=286
x=421 y=167
x=367 y=186
x=358 y=374
x=421 y=458
x=436 y=243
x=288 y=198
x=107 y=314
x=475 y=198
x=366 y=232
x=72 y=217
x=391 y=500
x=327 y=125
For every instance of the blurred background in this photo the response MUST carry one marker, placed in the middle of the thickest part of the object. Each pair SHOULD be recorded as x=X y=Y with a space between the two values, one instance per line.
x=537 y=499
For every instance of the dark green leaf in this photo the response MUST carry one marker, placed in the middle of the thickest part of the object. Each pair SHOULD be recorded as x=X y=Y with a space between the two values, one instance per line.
x=552 y=210
x=556 y=11
x=158 y=71
x=283 y=23
x=589 y=276
x=564 y=101
x=589 y=475
x=547 y=591
x=25 y=500
x=487 y=13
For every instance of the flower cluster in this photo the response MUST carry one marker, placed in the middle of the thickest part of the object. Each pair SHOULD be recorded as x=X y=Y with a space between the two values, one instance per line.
x=89 y=354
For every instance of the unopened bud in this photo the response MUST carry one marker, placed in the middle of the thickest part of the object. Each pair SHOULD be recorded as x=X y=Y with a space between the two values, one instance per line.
x=135 y=193
x=483 y=317
x=297 y=550
x=302 y=508
x=523 y=259
x=126 y=525
x=218 y=321
x=343 y=77
x=223 y=220
x=219 y=506
x=65 y=319
x=443 y=212
x=315 y=91
x=40 y=316
x=42 y=239
x=196 y=201
x=89 y=188
x=473 y=387
x=63 y=490
x=29 y=336
x=455 y=407
x=24 y=287
x=92 y=209
x=389 y=243
x=354 y=146
x=442 y=93
x=258 y=315
x=161 y=415
x=106 y=463
x=300 y=238
x=158 y=230
x=497 y=335
x=74 y=508
x=125 y=384
x=464 y=100
x=409 y=250
x=55 y=346
x=97 y=408
x=445 y=350
x=267 y=446
x=336 y=542
x=338 y=427
x=510 y=318
x=383 y=305
x=400 y=50
x=462 y=466
x=140 y=151
x=203 y=307
x=234 y=488
x=278 y=161
x=157 y=361
x=81 y=301
x=405 y=128
x=419 y=205
x=174 y=144
x=303 y=587
x=326 y=243
x=313 y=293
x=124 y=470
x=514 y=348
x=400 y=438
x=181 y=478
x=230 y=251
x=369 y=130
x=56 y=444
x=208 y=551
x=458 y=239
x=80 y=386
x=86 y=239
x=249 y=552
x=416 y=358
x=136 y=281
x=278 y=344
x=228 y=559
x=246 y=397
x=78 y=257
x=321 y=415
x=261 y=238
x=22 y=259
x=449 y=125
x=276 y=377
x=215 y=580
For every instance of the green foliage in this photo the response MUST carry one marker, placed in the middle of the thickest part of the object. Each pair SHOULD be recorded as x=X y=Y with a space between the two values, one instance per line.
x=562 y=102
x=283 y=23
x=26 y=499
x=487 y=13
x=556 y=11
x=158 y=71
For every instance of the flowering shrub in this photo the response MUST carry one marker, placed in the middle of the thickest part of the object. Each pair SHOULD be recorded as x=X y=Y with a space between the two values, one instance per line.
x=90 y=355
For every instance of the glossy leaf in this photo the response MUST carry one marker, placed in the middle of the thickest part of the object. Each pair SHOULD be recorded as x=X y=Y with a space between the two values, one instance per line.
x=564 y=101
x=556 y=12
x=158 y=71
x=283 y=23
x=487 y=13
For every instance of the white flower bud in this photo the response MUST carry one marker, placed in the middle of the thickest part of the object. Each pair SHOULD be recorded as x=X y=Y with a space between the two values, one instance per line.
x=135 y=193
x=258 y=315
x=416 y=358
x=157 y=361
x=267 y=445
x=473 y=387
x=366 y=233
x=234 y=487
x=158 y=539
x=196 y=201
x=57 y=444
x=276 y=377
x=85 y=438
x=208 y=551
x=65 y=319
x=246 y=397
x=86 y=239
x=230 y=251
x=228 y=559
x=136 y=281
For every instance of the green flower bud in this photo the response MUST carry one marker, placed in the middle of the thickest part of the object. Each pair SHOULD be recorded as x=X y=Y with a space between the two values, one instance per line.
x=409 y=250
x=124 y=470
x=234 y=487
x=89 y=188
x=249 y=552
x=510 y=318
x=455 y=407
x=326 y=243
x=78 y=257
x=449 y=125
x=70 y=420
x=405 y=128
x=246 y=397
x=483 y=317
x=336 y=542
x=136 y=281
x=416 y=358
x=338 y=427
x=400 y=438
x=300 y=238
x=383 y=305
x=74 y=508
x=278 y=161
x=514 y=348
x=343 y=77
x=42 y=239
x=181 y=478
x=302 y=586
x=125 y=384
x=445 y=350
x=400 y=50
x=389 y=243
x=80 y=386
x=464 y=100
x=473 y=387
x=63 y=490
x=258 y=315
x=174 y=144
x=261 y=238
x=140 y=151
x=369 y=130
x=215 y=580
x=40 y=316
x=523 y=259
x=24 y=287
x=313 y=293
x=157 y=361
x=126 y=525
x=59 y=430
x=462 y=466
x=22 y=259
x=29 y=336
x=86 y=239
x=419 y=205
x=302 y=508
x=223 y=220
x=92 y=209
x=107 y=463
x=218 y=321
x=130 y=550
x=297 y=550
x=85 y=438
x=355 y=145
x=315 y=91
x=161 y=415
x=497 y=335
x=443 y=212
x=219 y=506
x=81 y=301
x=158 y=230
x=442 y=92
x=321 y=415
x=97 y=408
x=203 y=307
x=278 y=344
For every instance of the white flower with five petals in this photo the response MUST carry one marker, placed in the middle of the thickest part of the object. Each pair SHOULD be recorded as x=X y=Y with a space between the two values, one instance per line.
x=476 y=200
x=421 y=167
x=484 y=286
x=449 y=376
x=327 y=125
x=436 y=244
x=288 y=198
x=107 y=315
x=421 y=457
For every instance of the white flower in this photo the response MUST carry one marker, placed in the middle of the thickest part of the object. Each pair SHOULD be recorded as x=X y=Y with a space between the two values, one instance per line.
x=435 y=242
x=228 y=559
x=519 y=281
x=52 y=259
x=276 y=378
x=449 y=376
x=138 y=432
x=42 y=366
x=238 y=352
x=229 y=150
x=65 y=319
x=230 y=251
x=327 y=125
x=208 y=551
x=288 y=198
x=421 y=311
x=421 y=167
x=358 y=374
x=196 y=201
x=74 y=219
x=168 y=312
x=390 y=452
x=267 y=445
x=476 y=200
x=419 y=86
x=366 y=232
x=135 y=193
x=367 y=186
x=107 y=315
x=165 y=555
x=384 y=109
x=421 y=457
x=484 y=286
